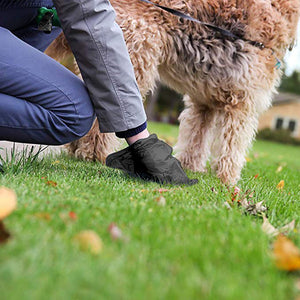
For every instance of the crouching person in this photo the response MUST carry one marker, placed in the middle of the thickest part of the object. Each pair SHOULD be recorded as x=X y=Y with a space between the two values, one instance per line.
x=42 y=102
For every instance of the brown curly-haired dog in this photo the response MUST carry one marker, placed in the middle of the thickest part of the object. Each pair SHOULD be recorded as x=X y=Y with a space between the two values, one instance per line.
x=227 y=84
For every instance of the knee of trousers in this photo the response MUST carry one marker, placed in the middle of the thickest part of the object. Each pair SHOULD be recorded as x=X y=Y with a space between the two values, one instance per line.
x=75 y=122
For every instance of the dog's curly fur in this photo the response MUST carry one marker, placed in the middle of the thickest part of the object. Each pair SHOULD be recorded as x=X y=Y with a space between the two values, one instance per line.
x=227 y=84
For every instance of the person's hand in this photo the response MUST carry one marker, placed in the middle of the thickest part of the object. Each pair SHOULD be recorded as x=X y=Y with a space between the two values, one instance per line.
x=150 y=159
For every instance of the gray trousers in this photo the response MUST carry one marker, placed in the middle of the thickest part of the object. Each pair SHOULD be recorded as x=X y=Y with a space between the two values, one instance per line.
x=100 y=50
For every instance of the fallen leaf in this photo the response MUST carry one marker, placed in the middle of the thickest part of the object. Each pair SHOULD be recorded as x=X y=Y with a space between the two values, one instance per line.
x=43 y=216
x=288 y=227
x=89 y=240
x=256 y=176
x=286 y=254
x=268 y=228
x=4 y=234
x=115 y=232
x=161 y=201
x=55 y=162
x=279 y=169
x=51 y=183
x=280 y=185
x=72 y=215
x=248 y=159
x=255 y=209
x=8 y=202
x=144 y=191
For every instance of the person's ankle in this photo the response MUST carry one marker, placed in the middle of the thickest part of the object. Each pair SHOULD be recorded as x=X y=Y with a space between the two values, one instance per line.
x=142 y=135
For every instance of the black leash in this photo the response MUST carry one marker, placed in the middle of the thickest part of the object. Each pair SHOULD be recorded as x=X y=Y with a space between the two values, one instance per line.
x=225 y=33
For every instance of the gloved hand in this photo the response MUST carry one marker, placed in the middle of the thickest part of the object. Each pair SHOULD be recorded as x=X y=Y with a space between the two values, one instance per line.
x=150 y=159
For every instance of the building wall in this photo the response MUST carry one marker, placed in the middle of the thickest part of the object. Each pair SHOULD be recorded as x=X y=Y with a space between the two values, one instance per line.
x=288 y=111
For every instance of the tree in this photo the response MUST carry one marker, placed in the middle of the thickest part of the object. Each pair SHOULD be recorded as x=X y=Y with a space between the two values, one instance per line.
x=291 y=84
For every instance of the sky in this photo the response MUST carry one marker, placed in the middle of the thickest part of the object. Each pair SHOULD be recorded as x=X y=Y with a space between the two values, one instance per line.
x=292 y=59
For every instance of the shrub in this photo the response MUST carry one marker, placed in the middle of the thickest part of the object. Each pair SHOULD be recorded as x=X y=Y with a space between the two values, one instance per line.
x=281 y=136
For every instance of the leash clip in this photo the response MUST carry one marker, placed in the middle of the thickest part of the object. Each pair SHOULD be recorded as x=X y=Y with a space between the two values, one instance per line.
x=46 y=23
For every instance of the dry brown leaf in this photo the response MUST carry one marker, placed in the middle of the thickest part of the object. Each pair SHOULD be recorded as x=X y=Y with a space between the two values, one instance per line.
x=256 y=208
x=89 y=240
x=8 y=202
x=51 y=183
x=268 y=228
x=253 y=209
x=280 y=185
x=286 y=254
x=43 y=216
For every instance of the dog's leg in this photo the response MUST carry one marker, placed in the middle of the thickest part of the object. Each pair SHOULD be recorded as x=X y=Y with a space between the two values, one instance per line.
x=94 y=145
x=195 y=134
x=235 y=130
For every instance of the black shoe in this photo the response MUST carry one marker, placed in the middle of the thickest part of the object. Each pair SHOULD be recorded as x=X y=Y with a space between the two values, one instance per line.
x=150 y=159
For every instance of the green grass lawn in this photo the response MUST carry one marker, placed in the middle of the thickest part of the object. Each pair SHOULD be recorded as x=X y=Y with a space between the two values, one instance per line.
x=191 y=248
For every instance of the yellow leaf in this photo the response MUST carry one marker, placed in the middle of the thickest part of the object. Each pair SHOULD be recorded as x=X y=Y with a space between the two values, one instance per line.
x=8 y=202
x=43 y=216
x=279 y=169
x=280 y=185
x=89 y=240
x=286 y=254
